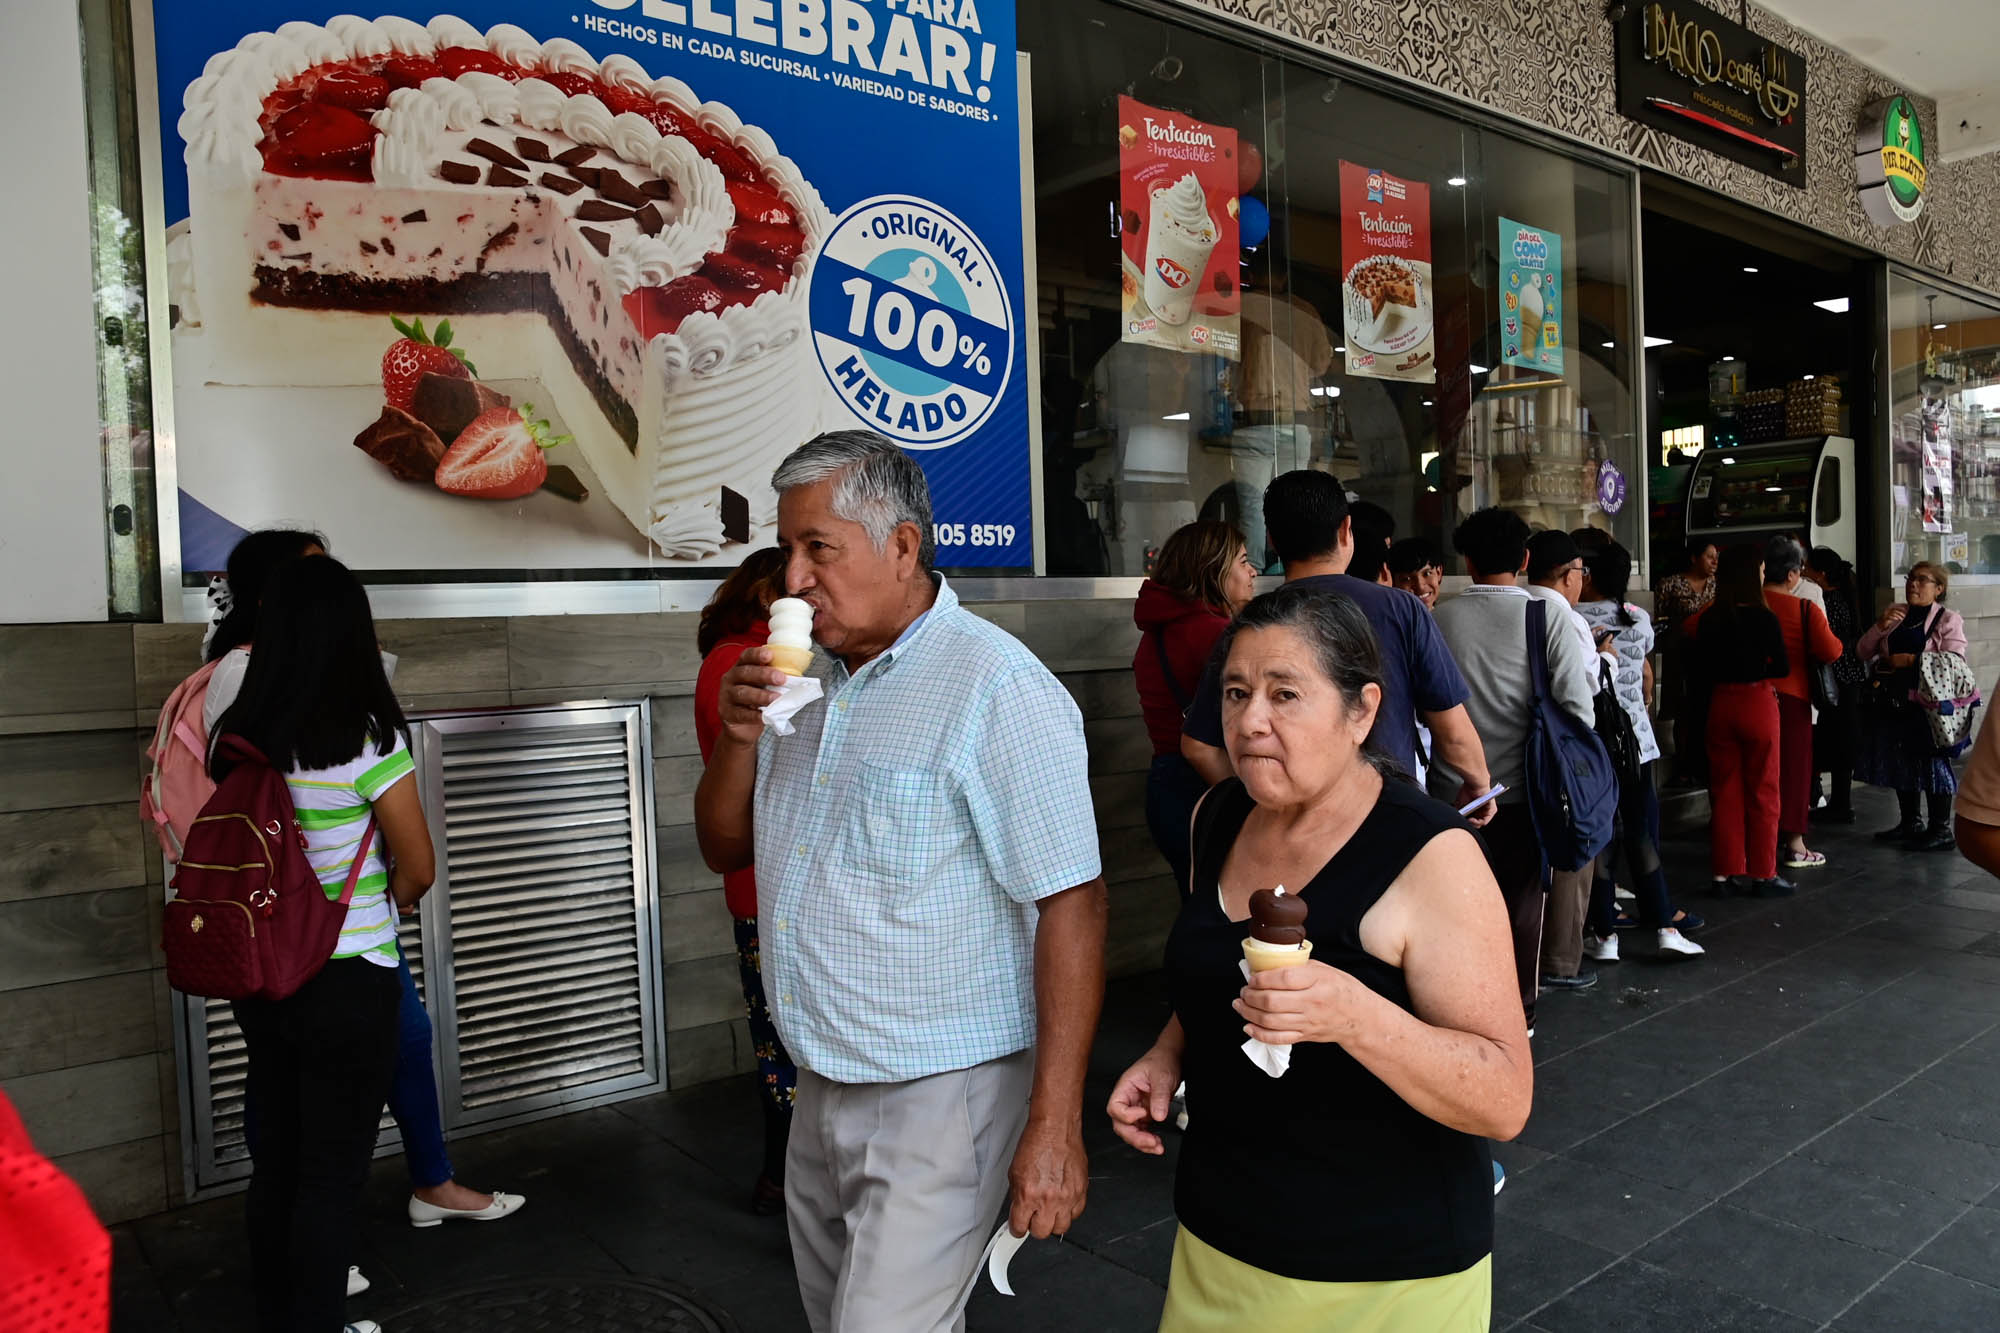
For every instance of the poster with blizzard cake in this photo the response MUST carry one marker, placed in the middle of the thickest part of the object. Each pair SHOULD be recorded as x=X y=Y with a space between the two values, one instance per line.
x=1385 y=293
x=1531 y=311
x=528 y=289
x=1178 y=226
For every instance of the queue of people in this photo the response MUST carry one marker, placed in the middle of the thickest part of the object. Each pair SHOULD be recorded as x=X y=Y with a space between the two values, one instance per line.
x=922 y=1035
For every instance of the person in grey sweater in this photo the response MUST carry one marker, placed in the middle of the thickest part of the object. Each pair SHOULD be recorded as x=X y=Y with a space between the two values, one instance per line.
x=1486 y=629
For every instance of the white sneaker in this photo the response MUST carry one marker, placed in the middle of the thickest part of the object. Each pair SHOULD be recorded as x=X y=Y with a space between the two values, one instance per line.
x=1622 y=894
x=1672 y=941
x=356 y=1283
x=363 y=1326
x=1603 y=950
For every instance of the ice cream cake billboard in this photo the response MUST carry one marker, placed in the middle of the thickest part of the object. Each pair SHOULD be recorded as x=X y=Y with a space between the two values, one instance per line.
x=1531 y=307
x=1178 y=231
x=1385 y=290
x=524 y=288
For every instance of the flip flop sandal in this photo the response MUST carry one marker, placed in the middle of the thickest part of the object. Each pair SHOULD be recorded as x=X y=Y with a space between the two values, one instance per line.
x=1809 y=861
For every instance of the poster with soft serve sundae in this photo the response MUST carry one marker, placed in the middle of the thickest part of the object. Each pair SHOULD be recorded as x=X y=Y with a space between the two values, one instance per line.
x=1178 y=211
x=522 y=288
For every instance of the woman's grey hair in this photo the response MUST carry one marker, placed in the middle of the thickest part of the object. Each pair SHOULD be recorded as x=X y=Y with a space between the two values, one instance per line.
x=875 y=484
x=1783 y=556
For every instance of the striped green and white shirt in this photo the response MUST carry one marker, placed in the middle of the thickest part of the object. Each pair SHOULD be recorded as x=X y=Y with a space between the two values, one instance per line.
x=333 y=807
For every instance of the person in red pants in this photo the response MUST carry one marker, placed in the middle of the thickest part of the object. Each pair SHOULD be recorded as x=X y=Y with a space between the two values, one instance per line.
x=1809 y=642
x=1739 y=653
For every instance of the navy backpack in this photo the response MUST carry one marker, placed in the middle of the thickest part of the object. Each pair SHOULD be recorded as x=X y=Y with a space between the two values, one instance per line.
x=1572 y=788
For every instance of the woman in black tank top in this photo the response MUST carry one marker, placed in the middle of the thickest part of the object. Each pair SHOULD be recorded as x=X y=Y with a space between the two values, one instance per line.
x=1355 y=1189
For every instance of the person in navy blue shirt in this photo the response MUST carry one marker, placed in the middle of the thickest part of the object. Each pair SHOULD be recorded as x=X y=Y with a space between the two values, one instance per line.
x=1307 y=522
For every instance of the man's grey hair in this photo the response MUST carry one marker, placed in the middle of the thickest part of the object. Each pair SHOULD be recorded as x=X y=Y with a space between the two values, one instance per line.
x=1782 y=557
x=875 y=484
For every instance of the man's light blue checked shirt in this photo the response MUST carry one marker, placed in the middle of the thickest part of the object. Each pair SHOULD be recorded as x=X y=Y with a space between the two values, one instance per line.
x=904 y=833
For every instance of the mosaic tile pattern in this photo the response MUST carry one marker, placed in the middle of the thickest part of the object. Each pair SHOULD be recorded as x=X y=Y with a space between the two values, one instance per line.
x=1551 y=62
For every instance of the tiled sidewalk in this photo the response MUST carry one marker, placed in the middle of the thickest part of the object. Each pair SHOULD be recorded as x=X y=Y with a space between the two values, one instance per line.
x=1800 y=1130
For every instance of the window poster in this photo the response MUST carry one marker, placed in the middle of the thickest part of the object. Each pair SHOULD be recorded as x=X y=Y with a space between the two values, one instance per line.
x=528 y=288
x=1934 y=464
x=1178 y=231
x=1385 y=242
x=1531 y=312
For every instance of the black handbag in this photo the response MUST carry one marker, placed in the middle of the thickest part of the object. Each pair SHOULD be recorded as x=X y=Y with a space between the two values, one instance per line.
x=1821 y=682
x=1615 y=729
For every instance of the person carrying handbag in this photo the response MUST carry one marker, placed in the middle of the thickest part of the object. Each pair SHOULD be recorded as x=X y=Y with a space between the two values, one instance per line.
x=1898 y=749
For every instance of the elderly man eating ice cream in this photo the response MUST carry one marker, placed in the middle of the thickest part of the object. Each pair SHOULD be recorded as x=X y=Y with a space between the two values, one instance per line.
x=928 y=877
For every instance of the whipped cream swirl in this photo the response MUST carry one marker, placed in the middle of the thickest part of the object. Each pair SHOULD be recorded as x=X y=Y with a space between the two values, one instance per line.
x=1186 y=206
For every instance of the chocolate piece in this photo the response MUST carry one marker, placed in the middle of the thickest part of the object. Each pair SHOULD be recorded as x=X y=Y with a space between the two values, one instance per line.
x=403 y=444
x=596 y=210
x=493 y=152
x=735 y=512
x=588 y=175
x=560 y=184
x=505 y=236
x=368 y=248
x=417 y=215
x=600 y=239
x=561 y=481
x=499 y=175
x=577 y=156
x=613 y=186
x=1223 y=286
x=303 y=257
x=389 y=246
x=534 y=150
x=447 y=403
x=459 y=173
x=290 y=229
x=657 y=188
x=1277 y=918
x=650 y=219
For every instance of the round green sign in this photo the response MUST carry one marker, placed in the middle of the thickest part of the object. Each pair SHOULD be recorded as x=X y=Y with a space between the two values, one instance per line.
x=1891 y=160
x=1901 y=131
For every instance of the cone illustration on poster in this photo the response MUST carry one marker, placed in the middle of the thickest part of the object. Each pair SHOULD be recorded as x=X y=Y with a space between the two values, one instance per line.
x=616 y=236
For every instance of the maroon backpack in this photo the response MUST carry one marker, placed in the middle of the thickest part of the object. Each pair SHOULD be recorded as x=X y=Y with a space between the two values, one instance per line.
x=249 y=918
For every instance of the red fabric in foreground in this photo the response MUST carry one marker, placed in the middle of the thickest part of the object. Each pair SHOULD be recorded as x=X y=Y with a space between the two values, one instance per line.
x=739 y=887
x=55 y=1257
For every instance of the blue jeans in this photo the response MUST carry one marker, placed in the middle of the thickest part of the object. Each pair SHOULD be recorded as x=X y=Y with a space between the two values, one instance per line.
x=1172 y=790
x=413 y=1097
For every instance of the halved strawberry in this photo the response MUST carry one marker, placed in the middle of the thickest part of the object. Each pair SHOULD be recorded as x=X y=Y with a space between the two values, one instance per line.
x=756 y=203
x=666 y=120
x=417 y=354
x=410 y=71
x=576 y=85
x=779 y=247
x=459 y=60
x=315 y=139
x=353 y=89
x=621 y=100
x=499 y=456
x=734 y=164
x=657 y=310
x=735 y=273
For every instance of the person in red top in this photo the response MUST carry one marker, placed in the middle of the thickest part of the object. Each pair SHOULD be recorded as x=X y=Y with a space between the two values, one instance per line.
x=733 y=620
x=1809 y=644
x=55 y=1256
x=1201 y=578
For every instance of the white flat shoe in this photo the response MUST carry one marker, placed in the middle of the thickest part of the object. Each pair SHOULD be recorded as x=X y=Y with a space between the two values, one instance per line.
x=429 y=1214
x=356 y=1283
x=363 y=1326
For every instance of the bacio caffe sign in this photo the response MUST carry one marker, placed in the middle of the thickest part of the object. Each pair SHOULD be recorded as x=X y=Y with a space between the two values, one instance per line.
x=1686 y=70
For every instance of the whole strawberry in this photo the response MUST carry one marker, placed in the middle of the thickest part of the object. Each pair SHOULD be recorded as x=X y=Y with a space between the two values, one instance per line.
x=498 y=456
x=417 y=354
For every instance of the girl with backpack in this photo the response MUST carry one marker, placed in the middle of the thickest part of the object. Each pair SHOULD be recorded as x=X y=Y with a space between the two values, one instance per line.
x=316 y=702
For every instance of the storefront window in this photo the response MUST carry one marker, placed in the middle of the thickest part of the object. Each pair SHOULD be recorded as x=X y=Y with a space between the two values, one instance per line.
x=1944 y=429
x=1436 y=312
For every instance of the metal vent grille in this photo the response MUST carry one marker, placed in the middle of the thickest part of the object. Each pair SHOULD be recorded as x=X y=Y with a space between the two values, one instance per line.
x=536 y=950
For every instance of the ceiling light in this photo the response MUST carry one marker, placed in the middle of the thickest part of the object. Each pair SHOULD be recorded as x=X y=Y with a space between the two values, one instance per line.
x=1728 y=358
x=1610 y=344
x=1333 y=391
x=1811 y=377
x=1178 y=416
x=1729 y=462
x=1317 y=391
x=1835 y=306
x=1477 y=370
x=1455 y=181
x=1341 y=348
x=1749 y=268
x=1779 y=489
x=1937 y=326
x=1427 y=402
x=1649 y=341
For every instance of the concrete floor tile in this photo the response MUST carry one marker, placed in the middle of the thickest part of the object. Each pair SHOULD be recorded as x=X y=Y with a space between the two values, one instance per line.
x=1954 y=1168
x=1599 y=1206
x=1061 y=1288
x=1917 y=1299
x=1968 y=1248
x=1944 y=1107
x=1638 y=1297
x=1531 y=1264
x=1775 y=1264
x=1864 y=1210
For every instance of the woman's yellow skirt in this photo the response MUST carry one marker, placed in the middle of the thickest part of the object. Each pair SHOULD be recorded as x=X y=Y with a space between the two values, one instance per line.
x=1209 y=1292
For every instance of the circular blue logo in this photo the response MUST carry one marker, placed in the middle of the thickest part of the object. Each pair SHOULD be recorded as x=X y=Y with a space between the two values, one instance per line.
x=911 y=321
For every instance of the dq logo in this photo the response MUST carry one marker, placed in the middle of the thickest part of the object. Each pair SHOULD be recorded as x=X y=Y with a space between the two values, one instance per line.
x=1171 y=273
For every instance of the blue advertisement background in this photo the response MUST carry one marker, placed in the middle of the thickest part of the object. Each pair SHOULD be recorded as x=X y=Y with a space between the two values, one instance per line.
x=851 y=146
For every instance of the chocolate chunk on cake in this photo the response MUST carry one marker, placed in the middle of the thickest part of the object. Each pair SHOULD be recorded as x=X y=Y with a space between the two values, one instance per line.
x=447 y=404
x=735 y=513
x=403 y=444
